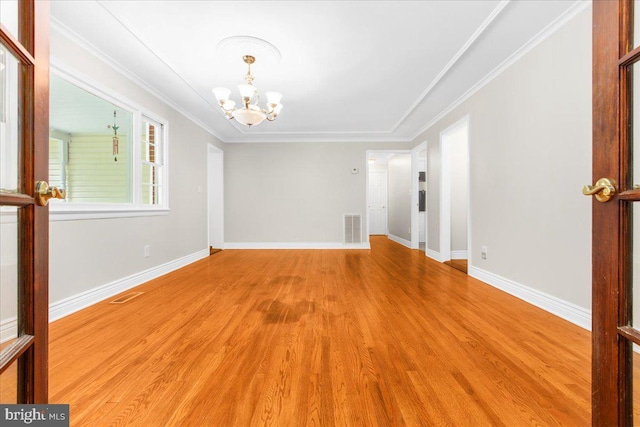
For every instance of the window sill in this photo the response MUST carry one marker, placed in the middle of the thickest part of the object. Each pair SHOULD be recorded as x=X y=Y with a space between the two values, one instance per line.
x=75 y=214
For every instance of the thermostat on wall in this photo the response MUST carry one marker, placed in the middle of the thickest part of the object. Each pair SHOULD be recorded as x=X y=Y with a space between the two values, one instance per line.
x=355 y=170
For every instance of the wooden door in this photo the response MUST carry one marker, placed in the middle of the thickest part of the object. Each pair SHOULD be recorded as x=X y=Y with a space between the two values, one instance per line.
x=377 y=202
x=24 y=117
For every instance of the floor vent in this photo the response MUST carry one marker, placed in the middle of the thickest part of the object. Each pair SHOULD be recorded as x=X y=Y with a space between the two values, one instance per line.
x=126 y=298
x=352 y=228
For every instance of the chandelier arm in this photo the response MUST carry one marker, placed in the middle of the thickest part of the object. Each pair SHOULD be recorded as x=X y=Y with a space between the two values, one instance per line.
x=248 y=113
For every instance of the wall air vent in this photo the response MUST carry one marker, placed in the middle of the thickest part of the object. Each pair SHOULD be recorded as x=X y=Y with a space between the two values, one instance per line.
x=126 y=298
x=352 y=228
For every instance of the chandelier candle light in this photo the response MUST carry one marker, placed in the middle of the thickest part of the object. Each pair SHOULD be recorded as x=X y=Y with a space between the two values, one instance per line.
x=250 y=114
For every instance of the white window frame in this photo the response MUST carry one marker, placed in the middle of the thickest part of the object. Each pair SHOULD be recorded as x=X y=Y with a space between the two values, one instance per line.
x=164 y=194
x=61 y=211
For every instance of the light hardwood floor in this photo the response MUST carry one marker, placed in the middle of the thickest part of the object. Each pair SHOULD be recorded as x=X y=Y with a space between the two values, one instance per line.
x=328 y=337
x=458 y=264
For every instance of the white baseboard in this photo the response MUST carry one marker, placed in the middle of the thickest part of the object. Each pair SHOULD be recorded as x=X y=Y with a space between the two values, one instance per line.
x=295 y=245
x=561 y=308
x=403 y=242
x=434 y=255
x=64 y=307
x=77 y=302
x=8 y=329
x=458 y=254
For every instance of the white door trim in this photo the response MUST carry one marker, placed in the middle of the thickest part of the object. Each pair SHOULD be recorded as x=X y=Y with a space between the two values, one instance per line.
x=426 y=203
x=445 y=191
x=215 y=197
x=415 y=188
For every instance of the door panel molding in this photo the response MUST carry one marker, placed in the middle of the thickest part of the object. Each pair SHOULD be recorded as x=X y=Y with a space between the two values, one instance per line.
x=29 y=351
x=611 y=354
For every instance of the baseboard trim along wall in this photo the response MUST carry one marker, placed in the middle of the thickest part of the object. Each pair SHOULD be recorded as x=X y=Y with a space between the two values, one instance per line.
x=8 y=328
x=403 y=242
x=458 y=254
x=573 y=313
x=295 y=245
x=62 y=308
x=434 y=255
x=77 y=302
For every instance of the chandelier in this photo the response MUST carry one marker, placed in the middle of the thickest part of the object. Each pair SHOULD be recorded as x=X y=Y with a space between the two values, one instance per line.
x=249 y=114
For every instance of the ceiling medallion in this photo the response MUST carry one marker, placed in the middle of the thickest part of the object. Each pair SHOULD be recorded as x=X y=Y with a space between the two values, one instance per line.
x=249 y=114
x=230 y=48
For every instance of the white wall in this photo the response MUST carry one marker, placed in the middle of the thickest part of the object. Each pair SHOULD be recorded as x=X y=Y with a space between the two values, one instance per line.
x=293 y=193
x=86 y=254
x=530 y=153
x=399 y=177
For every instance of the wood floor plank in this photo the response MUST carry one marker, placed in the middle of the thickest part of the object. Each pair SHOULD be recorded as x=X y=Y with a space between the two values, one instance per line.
x=385 y=337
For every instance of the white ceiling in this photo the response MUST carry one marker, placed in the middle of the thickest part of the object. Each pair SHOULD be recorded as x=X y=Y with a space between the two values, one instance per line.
x=350 y=70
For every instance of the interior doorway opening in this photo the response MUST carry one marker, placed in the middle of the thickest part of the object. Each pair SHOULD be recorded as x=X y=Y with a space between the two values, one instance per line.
x=215 y=198
x=419 y=197
x=454 y=195
x=388 y=208
x=422 y=200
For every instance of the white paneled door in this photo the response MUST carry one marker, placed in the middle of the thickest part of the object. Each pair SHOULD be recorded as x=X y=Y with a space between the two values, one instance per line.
x=378 y=202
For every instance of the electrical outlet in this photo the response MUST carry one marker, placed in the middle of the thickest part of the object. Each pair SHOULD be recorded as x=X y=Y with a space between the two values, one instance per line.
x=484 y=252
x=147 y=251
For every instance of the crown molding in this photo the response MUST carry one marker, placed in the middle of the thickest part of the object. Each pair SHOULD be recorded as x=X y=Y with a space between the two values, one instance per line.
x=247 y=136
x=293 y=139
x=58 y=26
x=162 y=59
x=476 y=34
x=578 y=7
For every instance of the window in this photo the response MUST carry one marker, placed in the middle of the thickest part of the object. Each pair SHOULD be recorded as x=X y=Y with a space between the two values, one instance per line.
x=109 y=154
x=152 y=167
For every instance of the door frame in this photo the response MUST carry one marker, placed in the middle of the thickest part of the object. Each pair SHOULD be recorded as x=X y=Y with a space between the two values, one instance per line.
x=445 y=189
x=30 y=350
x=415 y=188
x=368 y=155
x=215 y=197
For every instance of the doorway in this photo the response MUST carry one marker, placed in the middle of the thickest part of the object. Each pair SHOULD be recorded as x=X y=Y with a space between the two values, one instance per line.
x=379 y=194
x=215 y=198
x=377 y=202
x=454 y=195
x=419 y=197
x=422 y=201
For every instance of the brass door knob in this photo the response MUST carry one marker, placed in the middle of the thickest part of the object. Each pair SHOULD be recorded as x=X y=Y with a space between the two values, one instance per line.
x=604 y=190
x=44 y=193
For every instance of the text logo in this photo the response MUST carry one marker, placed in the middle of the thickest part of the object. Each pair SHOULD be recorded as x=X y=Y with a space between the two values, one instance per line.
x=34 y=415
